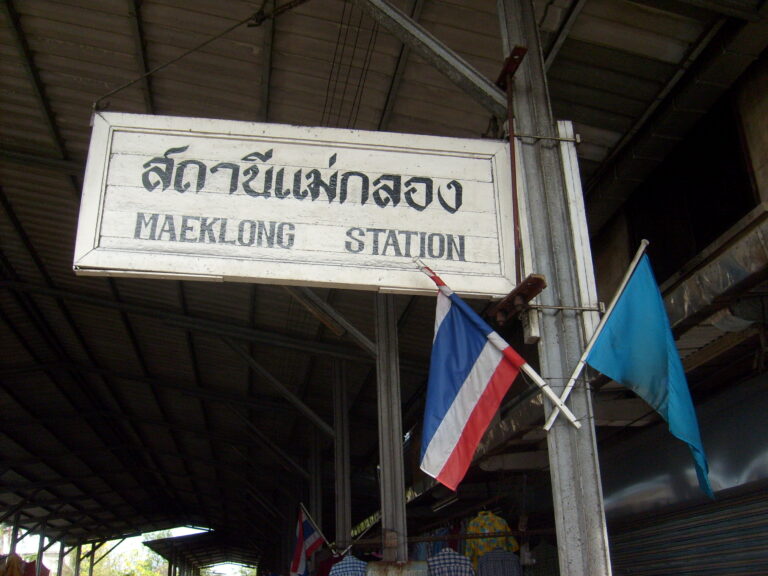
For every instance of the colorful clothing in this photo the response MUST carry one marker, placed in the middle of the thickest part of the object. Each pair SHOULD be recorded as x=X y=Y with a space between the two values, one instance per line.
x=448 y=562
x=487 y=523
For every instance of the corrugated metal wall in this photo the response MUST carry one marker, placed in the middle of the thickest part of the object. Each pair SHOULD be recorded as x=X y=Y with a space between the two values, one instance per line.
x=726 y=537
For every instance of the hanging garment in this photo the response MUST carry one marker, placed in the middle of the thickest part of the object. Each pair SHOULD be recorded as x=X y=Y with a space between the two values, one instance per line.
x=499 y=563
x=30 y=569
x=420 y=551
x=487 y=523
x=350 y=566
x=324 y=566
x=13 y=566
x=448 y=562
x=438 y=545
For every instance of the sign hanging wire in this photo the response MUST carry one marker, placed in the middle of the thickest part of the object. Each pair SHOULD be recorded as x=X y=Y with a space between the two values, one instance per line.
x=255 y=19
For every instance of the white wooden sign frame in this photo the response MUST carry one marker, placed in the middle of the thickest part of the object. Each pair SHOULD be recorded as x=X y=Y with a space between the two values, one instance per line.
x=192 y=198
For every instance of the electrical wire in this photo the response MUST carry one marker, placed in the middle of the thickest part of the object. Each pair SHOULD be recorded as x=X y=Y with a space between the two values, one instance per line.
x=335 y=110
x=349 y=70
x=255 y=19
x=364 y=76
x=336 y=65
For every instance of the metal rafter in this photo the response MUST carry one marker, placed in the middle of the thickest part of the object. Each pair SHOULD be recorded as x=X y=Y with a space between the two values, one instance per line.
x=563 y=31
x=282 y=389
x=397 y=76
x=190 y=342
x=38 y=87
x=268 y=28
x=208 y=393
x=693 y=54
x=201 y=324
x=24 y=158
x=39 y=320
x=109 y=428
x=59 y=141
x=462 y=74
x=137 y=352
x=13 y=395
x=732 y=8
x=134 y=9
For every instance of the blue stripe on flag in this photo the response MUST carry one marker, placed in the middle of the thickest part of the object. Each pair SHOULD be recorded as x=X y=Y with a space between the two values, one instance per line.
x=456 y=348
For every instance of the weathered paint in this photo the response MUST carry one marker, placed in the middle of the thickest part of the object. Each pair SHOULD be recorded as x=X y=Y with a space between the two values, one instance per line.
x=225 y=200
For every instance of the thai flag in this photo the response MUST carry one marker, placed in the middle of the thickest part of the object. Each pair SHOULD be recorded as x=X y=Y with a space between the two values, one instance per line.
x=308 y=539
x=471 y=370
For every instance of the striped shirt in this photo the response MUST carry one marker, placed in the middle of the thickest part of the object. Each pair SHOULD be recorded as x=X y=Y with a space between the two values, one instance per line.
x=350 y=566
x=448 y=562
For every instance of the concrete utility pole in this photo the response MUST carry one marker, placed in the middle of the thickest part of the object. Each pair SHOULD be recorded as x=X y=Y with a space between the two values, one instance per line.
x=582 y=539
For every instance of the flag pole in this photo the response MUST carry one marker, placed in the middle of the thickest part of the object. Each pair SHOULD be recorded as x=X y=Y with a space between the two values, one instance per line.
x=312 y=521
x=499 y=343
x=582 y=361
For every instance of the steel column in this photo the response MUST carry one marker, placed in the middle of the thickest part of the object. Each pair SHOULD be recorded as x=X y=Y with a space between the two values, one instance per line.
x=343 y=503
x=15 y=532
x=92 y=560
x=392 y=482
x=78 y=559
x=60 y=563
x=316 y=481
x=579 y=515
x=40 y=549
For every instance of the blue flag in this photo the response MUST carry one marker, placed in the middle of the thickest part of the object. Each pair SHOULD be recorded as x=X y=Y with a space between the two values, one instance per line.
x=636 y=348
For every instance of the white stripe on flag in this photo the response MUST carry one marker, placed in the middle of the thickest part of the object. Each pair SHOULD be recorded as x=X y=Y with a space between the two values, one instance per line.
x=441 y=311
x=449 y=432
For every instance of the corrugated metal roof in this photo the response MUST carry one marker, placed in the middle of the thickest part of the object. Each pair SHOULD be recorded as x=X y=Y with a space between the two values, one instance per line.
x=123 y=408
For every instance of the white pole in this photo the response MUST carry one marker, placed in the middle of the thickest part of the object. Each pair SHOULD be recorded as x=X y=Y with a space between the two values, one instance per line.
x=312 y=521
x=582 y=361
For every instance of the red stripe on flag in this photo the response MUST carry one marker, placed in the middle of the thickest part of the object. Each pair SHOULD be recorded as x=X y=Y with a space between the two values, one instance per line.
x=435 y=278
x=486 y=407
x=299 y=549
x=512 y=355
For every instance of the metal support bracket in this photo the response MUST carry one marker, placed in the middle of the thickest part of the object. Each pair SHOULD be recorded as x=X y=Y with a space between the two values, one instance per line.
x=576 y=139
x=517 y=300
x=600 y=308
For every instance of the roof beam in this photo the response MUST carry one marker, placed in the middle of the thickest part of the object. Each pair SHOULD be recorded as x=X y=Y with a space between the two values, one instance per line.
x=397 y=76
x=458 y=71
x=38 y=319
x=213 y=394
x=732 y=8
x=141 y=53
x=562 y=33
x=38 y=87
x=330 y=317
x=606 y=183
x=189 y=322
x=268 y=27
x=321 y=424
x=36 y=161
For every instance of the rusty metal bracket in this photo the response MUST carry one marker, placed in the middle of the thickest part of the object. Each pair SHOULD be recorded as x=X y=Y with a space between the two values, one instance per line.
x=517 y=300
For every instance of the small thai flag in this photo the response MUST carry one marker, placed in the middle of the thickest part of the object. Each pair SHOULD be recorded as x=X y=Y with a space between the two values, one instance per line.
x=308 y=539
x=470 y=371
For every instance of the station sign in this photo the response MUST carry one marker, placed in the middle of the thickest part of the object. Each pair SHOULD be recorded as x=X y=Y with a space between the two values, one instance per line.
x=192 y=198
